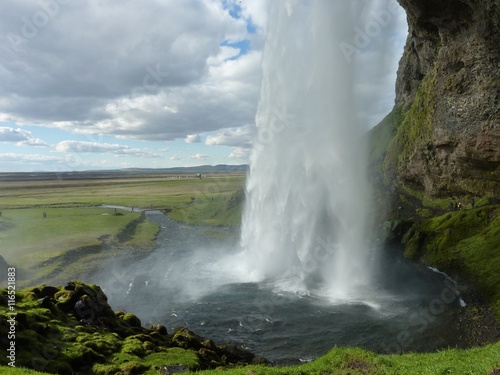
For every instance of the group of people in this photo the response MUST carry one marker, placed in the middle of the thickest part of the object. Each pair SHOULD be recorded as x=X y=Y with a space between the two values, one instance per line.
x=457 y=206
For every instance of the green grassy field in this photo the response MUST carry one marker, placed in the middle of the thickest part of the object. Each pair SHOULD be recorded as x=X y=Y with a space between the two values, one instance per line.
x=76 y=235
x=165 y=192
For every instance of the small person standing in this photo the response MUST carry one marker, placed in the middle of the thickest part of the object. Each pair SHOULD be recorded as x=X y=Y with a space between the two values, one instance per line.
x=472 y=202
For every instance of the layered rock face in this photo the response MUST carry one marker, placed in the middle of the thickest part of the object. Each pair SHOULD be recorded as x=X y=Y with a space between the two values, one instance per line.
x=449 y=88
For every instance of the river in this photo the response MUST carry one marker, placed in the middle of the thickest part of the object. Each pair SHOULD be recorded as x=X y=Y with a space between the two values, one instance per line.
x=185 y=283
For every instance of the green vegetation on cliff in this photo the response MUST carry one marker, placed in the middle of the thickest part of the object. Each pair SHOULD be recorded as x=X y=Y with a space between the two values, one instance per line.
x=219 y=210
x=412 y=135
x=465 y=244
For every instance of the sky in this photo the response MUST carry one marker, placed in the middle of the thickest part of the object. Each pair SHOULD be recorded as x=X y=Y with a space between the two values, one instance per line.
x=113 y=84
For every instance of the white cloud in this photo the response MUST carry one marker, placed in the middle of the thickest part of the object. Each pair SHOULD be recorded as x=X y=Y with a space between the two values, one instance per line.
x=30 y=158
x=236 y=137
x=20 y=137
x=256 y=11
x=175 y=157
x=102 y=148
x=193 y=138
x=240 y=153
x=160 y=75
x=175 y=70
x=199 y=156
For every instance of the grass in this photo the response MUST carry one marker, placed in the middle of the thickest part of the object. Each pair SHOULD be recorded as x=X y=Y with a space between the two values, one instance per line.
x=380 y=136
x=158 y=193
x=467 y=240
x=344 y=361
x=53 y=339
x=76 y=236
x=220 y=210
x=464 y=243
x=68 y=241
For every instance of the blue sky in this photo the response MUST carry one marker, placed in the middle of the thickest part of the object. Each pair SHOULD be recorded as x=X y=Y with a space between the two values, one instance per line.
x=154 y=84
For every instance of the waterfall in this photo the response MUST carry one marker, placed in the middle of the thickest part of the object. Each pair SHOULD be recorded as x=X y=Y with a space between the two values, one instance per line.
x=306 y=221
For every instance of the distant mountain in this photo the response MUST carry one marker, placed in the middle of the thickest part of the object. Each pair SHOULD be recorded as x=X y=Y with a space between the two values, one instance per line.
x=121 y=173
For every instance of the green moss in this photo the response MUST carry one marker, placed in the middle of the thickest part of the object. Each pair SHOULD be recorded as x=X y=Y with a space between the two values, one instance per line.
x=416 y=128
x=463 y=243
x=134 y=347
x=131 y=320
x=380 y=137
x=172 y=357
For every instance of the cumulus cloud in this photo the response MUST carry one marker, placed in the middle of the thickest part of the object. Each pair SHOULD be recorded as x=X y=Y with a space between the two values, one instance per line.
x=20 y=137
x=193 y=138
x=162 y=74
x=199 y=156
x=164 y=70
x=236 y=137
x=102 y=148
x=240 y=153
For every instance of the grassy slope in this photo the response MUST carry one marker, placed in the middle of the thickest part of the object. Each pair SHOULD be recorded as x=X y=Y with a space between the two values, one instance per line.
x=343 y=361
x=463 y=243
x=219 y=210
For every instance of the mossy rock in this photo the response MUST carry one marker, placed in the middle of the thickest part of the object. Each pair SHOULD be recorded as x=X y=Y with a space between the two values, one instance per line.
x=131 y=320
x=187 y=339
x=65 y=300
x=160 y=328
x=133 y=368
x=55 y=339
x=133 y=346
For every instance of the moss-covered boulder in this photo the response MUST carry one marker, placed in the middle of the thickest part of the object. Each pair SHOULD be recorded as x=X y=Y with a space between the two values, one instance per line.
x=73 y=330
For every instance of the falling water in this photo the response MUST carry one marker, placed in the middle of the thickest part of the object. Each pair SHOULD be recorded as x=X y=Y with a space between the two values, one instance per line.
x=301 y=281
x=305 y=224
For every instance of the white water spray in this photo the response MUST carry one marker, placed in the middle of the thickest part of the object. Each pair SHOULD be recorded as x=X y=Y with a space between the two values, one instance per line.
x=305 y=225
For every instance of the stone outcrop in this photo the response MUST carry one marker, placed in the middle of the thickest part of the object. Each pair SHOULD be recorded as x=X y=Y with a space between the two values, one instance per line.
x=448 y=86
x=73 y=330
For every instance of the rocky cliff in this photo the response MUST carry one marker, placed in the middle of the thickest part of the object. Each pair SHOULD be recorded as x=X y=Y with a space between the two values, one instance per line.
x=448 y=88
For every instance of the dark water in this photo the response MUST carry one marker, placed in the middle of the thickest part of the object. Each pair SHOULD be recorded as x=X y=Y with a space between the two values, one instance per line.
x=411 y=308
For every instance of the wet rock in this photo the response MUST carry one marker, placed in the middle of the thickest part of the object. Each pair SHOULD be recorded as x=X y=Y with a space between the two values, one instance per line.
x=47 y=291
x=45 y=302
x=186 y=339
x=167 y=370
x=86 y=310
x=235 y=354
x=160 y=328
x=210 y=356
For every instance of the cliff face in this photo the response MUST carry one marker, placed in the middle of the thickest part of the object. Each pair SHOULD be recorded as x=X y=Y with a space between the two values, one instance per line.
x=449 y=89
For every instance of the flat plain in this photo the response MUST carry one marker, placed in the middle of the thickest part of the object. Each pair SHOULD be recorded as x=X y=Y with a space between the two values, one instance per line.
x=56 y=230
